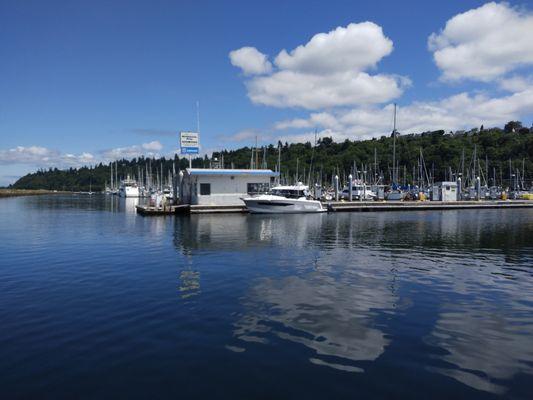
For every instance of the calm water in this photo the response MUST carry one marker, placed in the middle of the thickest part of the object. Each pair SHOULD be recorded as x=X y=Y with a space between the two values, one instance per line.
x=96 y=301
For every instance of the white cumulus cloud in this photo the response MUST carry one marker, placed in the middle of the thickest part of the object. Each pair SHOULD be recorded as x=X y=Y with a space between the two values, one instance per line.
x=515 y=83
x=352 y=48
x=330 y=70
x=461 y=111
x=484 y=43
x=150 y=149
x=152 y=146
x=250 y=60
x=43 y=157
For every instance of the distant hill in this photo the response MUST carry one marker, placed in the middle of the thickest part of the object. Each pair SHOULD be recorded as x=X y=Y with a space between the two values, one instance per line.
x=442 y=153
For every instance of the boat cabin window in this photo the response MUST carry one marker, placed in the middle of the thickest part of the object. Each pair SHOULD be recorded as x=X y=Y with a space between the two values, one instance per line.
x=205 y=189
x=291 y=194
x=255 y=188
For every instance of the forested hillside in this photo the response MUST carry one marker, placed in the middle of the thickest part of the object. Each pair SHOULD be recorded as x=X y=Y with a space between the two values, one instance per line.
x=442 y=152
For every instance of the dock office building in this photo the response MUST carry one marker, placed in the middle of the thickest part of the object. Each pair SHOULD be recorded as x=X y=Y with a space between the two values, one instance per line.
x=223 y=187
x=445 y=191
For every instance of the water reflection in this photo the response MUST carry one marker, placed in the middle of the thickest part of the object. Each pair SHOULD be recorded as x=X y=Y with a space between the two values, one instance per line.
x=127 y=205
x=189 y=283
x=454 y=233
x=379 y=304
x=484 y=346
x=80 y=202
x=334 y=282
x=244 y=232
x=334 y=316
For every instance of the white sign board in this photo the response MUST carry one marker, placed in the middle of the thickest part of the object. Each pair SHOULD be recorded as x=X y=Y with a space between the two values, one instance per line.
x=189 y=142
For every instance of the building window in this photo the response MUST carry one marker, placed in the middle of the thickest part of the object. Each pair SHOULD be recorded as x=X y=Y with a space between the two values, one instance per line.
x=205 y=189
x=254 y=188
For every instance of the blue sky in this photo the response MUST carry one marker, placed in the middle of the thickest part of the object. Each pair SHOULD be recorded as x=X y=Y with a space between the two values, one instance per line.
x=83 y=82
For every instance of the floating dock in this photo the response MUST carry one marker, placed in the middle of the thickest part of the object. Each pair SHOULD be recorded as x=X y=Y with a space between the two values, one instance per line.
x=189 y=209
x=346 y=206
x=168 y=210
x=366 y=206
x=197 y=209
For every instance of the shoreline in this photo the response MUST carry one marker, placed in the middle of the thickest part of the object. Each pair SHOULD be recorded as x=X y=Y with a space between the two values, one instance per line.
x=5 y=193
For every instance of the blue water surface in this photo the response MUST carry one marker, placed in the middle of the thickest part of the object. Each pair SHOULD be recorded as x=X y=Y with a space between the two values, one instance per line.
x=98 y=302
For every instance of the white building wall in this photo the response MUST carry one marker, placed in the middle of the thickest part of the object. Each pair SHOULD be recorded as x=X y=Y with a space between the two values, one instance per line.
x=445 y=191
x=226 y=190
x=449 y=192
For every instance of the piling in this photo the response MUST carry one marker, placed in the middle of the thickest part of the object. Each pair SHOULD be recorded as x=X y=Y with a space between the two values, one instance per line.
x=336 y=187
x=350 y=187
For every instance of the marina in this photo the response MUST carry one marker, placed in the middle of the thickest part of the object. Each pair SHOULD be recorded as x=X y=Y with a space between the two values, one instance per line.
x=266 y=200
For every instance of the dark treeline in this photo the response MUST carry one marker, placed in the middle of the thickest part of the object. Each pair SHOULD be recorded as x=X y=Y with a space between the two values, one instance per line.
x=442 y=153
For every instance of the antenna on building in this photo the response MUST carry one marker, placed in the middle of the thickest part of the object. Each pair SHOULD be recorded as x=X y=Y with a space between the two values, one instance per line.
x=198 y=116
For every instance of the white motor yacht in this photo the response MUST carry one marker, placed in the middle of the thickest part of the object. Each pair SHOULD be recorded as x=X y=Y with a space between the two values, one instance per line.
x=128 y=188
x=284 y=200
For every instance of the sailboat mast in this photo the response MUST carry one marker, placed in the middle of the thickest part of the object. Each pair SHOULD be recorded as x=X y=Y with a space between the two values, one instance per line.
x=279 y=164
x=375 y=166
x=256 y=154
x=394 y=147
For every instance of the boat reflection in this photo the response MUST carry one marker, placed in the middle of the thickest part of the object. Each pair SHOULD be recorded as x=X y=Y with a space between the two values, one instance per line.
x=127 y=204
x=197 y=233
x=189 y=283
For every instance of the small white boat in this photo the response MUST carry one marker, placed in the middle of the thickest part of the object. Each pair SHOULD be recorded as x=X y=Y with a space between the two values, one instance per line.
x=284 y=200
x=359 y=191
x=128 y=188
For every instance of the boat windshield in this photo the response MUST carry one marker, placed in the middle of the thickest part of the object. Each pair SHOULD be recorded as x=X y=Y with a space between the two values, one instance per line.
x=289 y=193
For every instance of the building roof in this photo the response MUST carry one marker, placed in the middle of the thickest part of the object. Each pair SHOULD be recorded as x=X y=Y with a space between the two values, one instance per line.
x=207 y=171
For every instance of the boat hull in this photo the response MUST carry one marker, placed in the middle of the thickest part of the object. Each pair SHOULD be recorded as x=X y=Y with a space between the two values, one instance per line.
x=395 y=196
x=282 y=206
x=128 y=191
